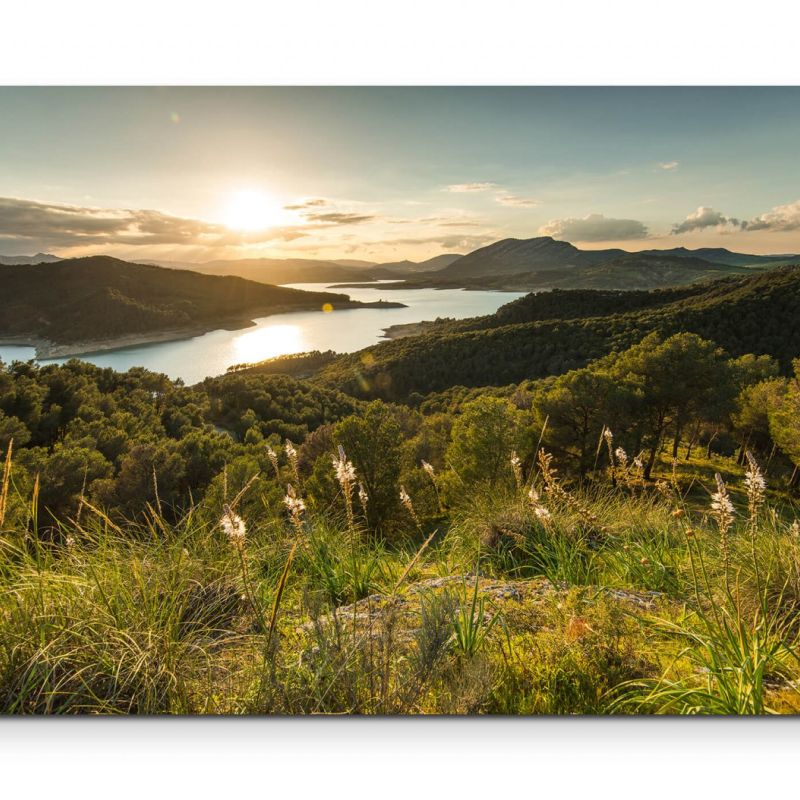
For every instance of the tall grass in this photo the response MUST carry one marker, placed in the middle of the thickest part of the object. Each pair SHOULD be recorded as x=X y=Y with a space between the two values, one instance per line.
x=615 y=597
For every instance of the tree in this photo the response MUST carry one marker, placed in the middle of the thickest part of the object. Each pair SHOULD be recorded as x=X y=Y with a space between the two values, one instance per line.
x=483 y=438
x=784 y=421
x=756 y=404
x=573 y=410
x=373 y=443
x=676 y=381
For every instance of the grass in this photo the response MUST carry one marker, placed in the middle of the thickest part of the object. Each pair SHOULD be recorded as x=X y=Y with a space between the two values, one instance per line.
x=609 y=599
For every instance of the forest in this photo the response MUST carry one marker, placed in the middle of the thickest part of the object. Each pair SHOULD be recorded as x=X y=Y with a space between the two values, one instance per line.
x=554 y=332
x=585 y=503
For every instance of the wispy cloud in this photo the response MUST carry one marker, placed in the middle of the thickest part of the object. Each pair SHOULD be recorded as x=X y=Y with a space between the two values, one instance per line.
x=447 y=242
x=310 y=202
x=339 y=218
x=594 y=228
x=517 y=201
x=322 y=211
x=471 y=187
x=669 y=165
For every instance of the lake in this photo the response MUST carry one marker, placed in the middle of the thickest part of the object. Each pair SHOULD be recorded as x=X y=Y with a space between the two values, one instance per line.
x=282 y=334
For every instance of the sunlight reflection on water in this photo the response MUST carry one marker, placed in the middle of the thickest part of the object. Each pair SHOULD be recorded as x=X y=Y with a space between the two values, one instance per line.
x=343 y=331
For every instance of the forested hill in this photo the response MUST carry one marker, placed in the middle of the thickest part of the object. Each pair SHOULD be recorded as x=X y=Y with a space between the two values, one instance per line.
x=100 y=297
x=551 y=333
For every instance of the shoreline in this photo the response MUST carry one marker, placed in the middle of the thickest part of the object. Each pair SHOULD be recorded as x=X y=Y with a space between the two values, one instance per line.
x=404 y=329
x=46 y=349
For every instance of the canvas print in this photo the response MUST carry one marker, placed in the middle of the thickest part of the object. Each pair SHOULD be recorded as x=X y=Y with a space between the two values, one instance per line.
x=399 y=400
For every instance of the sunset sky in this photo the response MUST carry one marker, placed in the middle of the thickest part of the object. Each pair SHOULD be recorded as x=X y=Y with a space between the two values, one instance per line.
x=388 y=173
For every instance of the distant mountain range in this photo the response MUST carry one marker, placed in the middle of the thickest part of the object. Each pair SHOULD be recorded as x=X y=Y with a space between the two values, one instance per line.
x=39 y=258
x=544 y=261
x=87 y=304
x=512 y=264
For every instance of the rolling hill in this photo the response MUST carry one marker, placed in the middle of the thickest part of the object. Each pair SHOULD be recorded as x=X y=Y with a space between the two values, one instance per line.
x=550 y=333
x=99 y=298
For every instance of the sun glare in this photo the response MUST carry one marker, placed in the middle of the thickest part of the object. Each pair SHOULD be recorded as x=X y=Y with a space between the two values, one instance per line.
x=274 y=340
x=251 y=210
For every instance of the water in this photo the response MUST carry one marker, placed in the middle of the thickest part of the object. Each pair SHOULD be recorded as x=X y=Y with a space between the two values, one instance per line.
x=283 y=334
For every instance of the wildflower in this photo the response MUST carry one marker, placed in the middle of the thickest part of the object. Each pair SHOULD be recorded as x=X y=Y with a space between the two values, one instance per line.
x=273 y=459
x=794 y=529
x=608 y=436
x=689 y=532
x=622 y=457
x=677 y=513
x=234 y=526
x=291 y=454
x=405 y=499
x=638 y=464
x=722 y=511
x=429 y=469
x=645 y=562
x=345 y=471
x=70 y=542
x=516 y=466
x=346 y=475
x=541 y=513
x=721 y=506
x=755 y=485
x=295 y=505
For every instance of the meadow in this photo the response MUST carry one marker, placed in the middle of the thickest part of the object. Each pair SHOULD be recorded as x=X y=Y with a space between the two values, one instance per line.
x=620 y=596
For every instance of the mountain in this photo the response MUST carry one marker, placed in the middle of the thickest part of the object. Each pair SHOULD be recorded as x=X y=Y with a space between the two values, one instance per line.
x=721 y=255
x=352 y=262
x=411 y=267
x=545 y=263
x=281 y=270
x=39 y=258
x=513 y=256
x=553 y=332
x=100 y=298
x=304 y=270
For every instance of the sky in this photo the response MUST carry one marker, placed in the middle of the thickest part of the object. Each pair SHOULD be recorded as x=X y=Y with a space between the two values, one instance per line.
x=383 y=174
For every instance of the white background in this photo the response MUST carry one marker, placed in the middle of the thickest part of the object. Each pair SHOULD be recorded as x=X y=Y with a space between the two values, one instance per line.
x=414 y=42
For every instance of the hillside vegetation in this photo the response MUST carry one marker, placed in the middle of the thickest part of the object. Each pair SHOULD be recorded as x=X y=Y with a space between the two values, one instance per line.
x=551 y=333
x=101 y=298
x=166 y=549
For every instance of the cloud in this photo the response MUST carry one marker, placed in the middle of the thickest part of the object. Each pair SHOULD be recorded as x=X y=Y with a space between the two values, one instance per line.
x=32 y=225
x=310 y=202
x=780 y=218
x=311 y=210
x=669 y=165
x=594 y=228
x=447 y=242
x=64 y=225
x=703 y=217
x=339 y=218
x=517 y=201
x=471 y=187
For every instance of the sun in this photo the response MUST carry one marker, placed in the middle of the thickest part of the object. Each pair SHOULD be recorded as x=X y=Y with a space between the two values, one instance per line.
x=251 y=210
